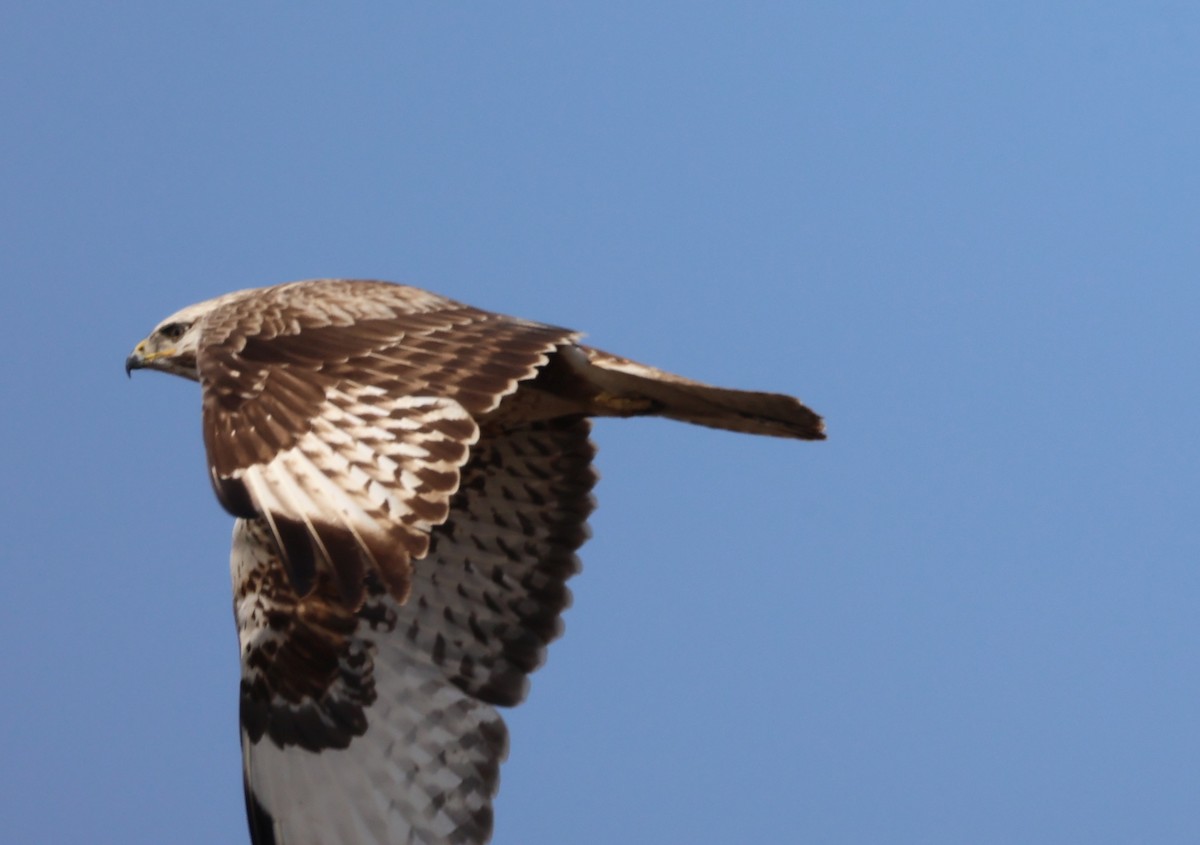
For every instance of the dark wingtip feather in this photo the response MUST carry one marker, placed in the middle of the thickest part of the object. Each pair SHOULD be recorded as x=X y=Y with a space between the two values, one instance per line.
x=262 y=825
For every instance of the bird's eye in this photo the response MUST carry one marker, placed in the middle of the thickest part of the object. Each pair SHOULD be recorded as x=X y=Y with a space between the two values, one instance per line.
x=173 y=331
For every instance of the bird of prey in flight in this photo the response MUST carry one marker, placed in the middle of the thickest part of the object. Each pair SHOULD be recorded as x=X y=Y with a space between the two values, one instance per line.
x=411 y=478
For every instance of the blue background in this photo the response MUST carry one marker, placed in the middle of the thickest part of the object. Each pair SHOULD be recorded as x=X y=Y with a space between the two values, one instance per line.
x=964 y=232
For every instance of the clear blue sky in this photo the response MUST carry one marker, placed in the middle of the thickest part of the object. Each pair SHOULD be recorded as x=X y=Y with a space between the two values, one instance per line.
x=966 y=233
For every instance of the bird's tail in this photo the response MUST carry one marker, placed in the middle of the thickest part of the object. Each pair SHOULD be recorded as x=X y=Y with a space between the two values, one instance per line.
x=623 y=388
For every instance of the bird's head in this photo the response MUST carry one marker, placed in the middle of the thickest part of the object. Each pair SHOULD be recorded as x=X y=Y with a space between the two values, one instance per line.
x=171 y=347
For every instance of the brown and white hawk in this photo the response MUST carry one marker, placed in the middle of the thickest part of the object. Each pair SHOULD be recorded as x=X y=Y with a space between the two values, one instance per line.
x=412 y=478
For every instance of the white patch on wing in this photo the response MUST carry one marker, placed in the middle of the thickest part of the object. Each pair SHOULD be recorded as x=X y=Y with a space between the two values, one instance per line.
x=423 y=773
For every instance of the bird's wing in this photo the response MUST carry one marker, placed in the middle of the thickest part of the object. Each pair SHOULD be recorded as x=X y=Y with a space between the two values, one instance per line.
x=341 y=414
x=378 y=725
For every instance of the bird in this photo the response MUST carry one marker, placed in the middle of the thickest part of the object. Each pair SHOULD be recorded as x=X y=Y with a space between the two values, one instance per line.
x=411 y=479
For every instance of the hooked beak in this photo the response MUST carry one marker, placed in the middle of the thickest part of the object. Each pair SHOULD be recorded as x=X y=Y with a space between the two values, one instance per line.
x=136 y=359
x=148 y=356
x=133 y=362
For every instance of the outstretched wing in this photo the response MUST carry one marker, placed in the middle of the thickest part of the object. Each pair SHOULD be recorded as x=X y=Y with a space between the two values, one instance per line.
x=378 y=725
x=341 y=413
